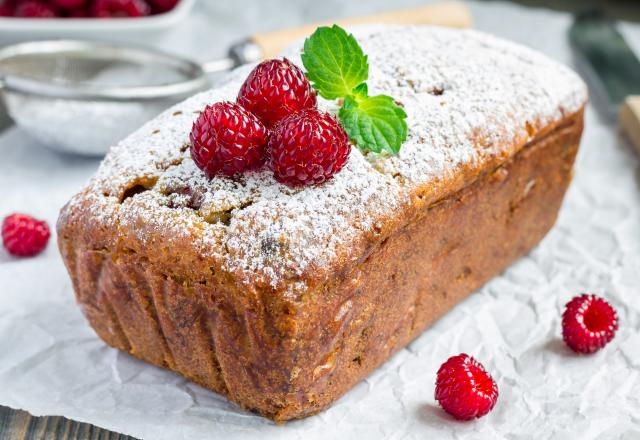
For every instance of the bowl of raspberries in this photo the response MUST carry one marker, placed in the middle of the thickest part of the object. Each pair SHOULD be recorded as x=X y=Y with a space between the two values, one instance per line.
x=29 y=19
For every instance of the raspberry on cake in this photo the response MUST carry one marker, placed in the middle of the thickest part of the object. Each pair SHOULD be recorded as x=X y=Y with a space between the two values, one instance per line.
x=274 y=90
x=284 y=298
x=308 y=148
x=226 y=138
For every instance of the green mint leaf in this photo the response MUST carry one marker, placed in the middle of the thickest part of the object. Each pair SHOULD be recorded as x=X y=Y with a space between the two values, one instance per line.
x=374 y=123
x=360 y=91
x=334 y=61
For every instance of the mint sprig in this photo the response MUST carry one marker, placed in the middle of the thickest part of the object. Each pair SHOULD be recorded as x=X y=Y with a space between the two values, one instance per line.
x=334 y=61
x=374 y=121
x=338 y=68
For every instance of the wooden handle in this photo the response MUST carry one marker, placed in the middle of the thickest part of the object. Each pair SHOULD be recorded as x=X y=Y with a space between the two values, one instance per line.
x=630 y=120
x=451 y=14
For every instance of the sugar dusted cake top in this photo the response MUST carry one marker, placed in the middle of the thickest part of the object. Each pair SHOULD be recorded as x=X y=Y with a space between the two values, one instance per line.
x=472 y=102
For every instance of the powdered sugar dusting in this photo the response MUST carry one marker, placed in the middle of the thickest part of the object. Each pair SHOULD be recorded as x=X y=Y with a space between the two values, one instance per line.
x=471 y=99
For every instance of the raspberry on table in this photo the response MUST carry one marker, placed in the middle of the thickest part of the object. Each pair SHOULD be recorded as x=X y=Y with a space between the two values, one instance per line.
x=464 y=389
x=227 y=138
x=120 y=8
x=35 y=9
x=308 y=148
x=275 y=89
x=24 y=236
x=588 y=323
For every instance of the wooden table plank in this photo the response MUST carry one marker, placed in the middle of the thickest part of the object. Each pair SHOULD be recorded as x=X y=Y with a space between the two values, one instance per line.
x=20 y=425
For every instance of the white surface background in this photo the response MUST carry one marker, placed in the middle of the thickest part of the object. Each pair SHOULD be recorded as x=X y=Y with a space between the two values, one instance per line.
x=52 y=363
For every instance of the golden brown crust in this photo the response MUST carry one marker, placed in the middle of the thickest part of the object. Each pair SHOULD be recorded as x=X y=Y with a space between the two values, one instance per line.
x=290 y=355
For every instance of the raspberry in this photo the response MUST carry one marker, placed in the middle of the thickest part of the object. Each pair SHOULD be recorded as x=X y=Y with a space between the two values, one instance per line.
x=274 y=90
x=69 y=4
x=308 y=148
x=23 y=235
x=160 y=6
x=79 y=13
x=464 y=389
x=35 y=9
x=227 y=138
x=6 y=8
x=120 y=8
x=588 y=323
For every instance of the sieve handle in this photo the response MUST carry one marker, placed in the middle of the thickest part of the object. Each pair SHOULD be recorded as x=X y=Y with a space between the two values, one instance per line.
x=630 y=119
x=5 y=120
x=451 y=14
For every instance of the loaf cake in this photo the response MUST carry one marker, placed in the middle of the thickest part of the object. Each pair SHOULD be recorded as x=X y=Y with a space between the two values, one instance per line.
x=281 y=298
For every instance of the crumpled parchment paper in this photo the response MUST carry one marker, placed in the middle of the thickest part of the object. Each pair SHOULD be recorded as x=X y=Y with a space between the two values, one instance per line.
x=51 y=362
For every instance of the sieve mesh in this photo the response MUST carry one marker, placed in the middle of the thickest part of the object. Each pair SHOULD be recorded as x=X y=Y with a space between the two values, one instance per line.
x=83 y=96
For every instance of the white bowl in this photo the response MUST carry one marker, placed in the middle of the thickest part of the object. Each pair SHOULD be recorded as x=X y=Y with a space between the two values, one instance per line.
x=14 y=30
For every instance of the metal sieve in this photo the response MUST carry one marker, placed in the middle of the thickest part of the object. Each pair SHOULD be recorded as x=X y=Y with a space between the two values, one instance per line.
x=83 y=96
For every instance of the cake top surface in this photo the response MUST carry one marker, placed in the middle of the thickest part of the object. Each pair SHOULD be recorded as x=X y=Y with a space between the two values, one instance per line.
x=472 y=101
